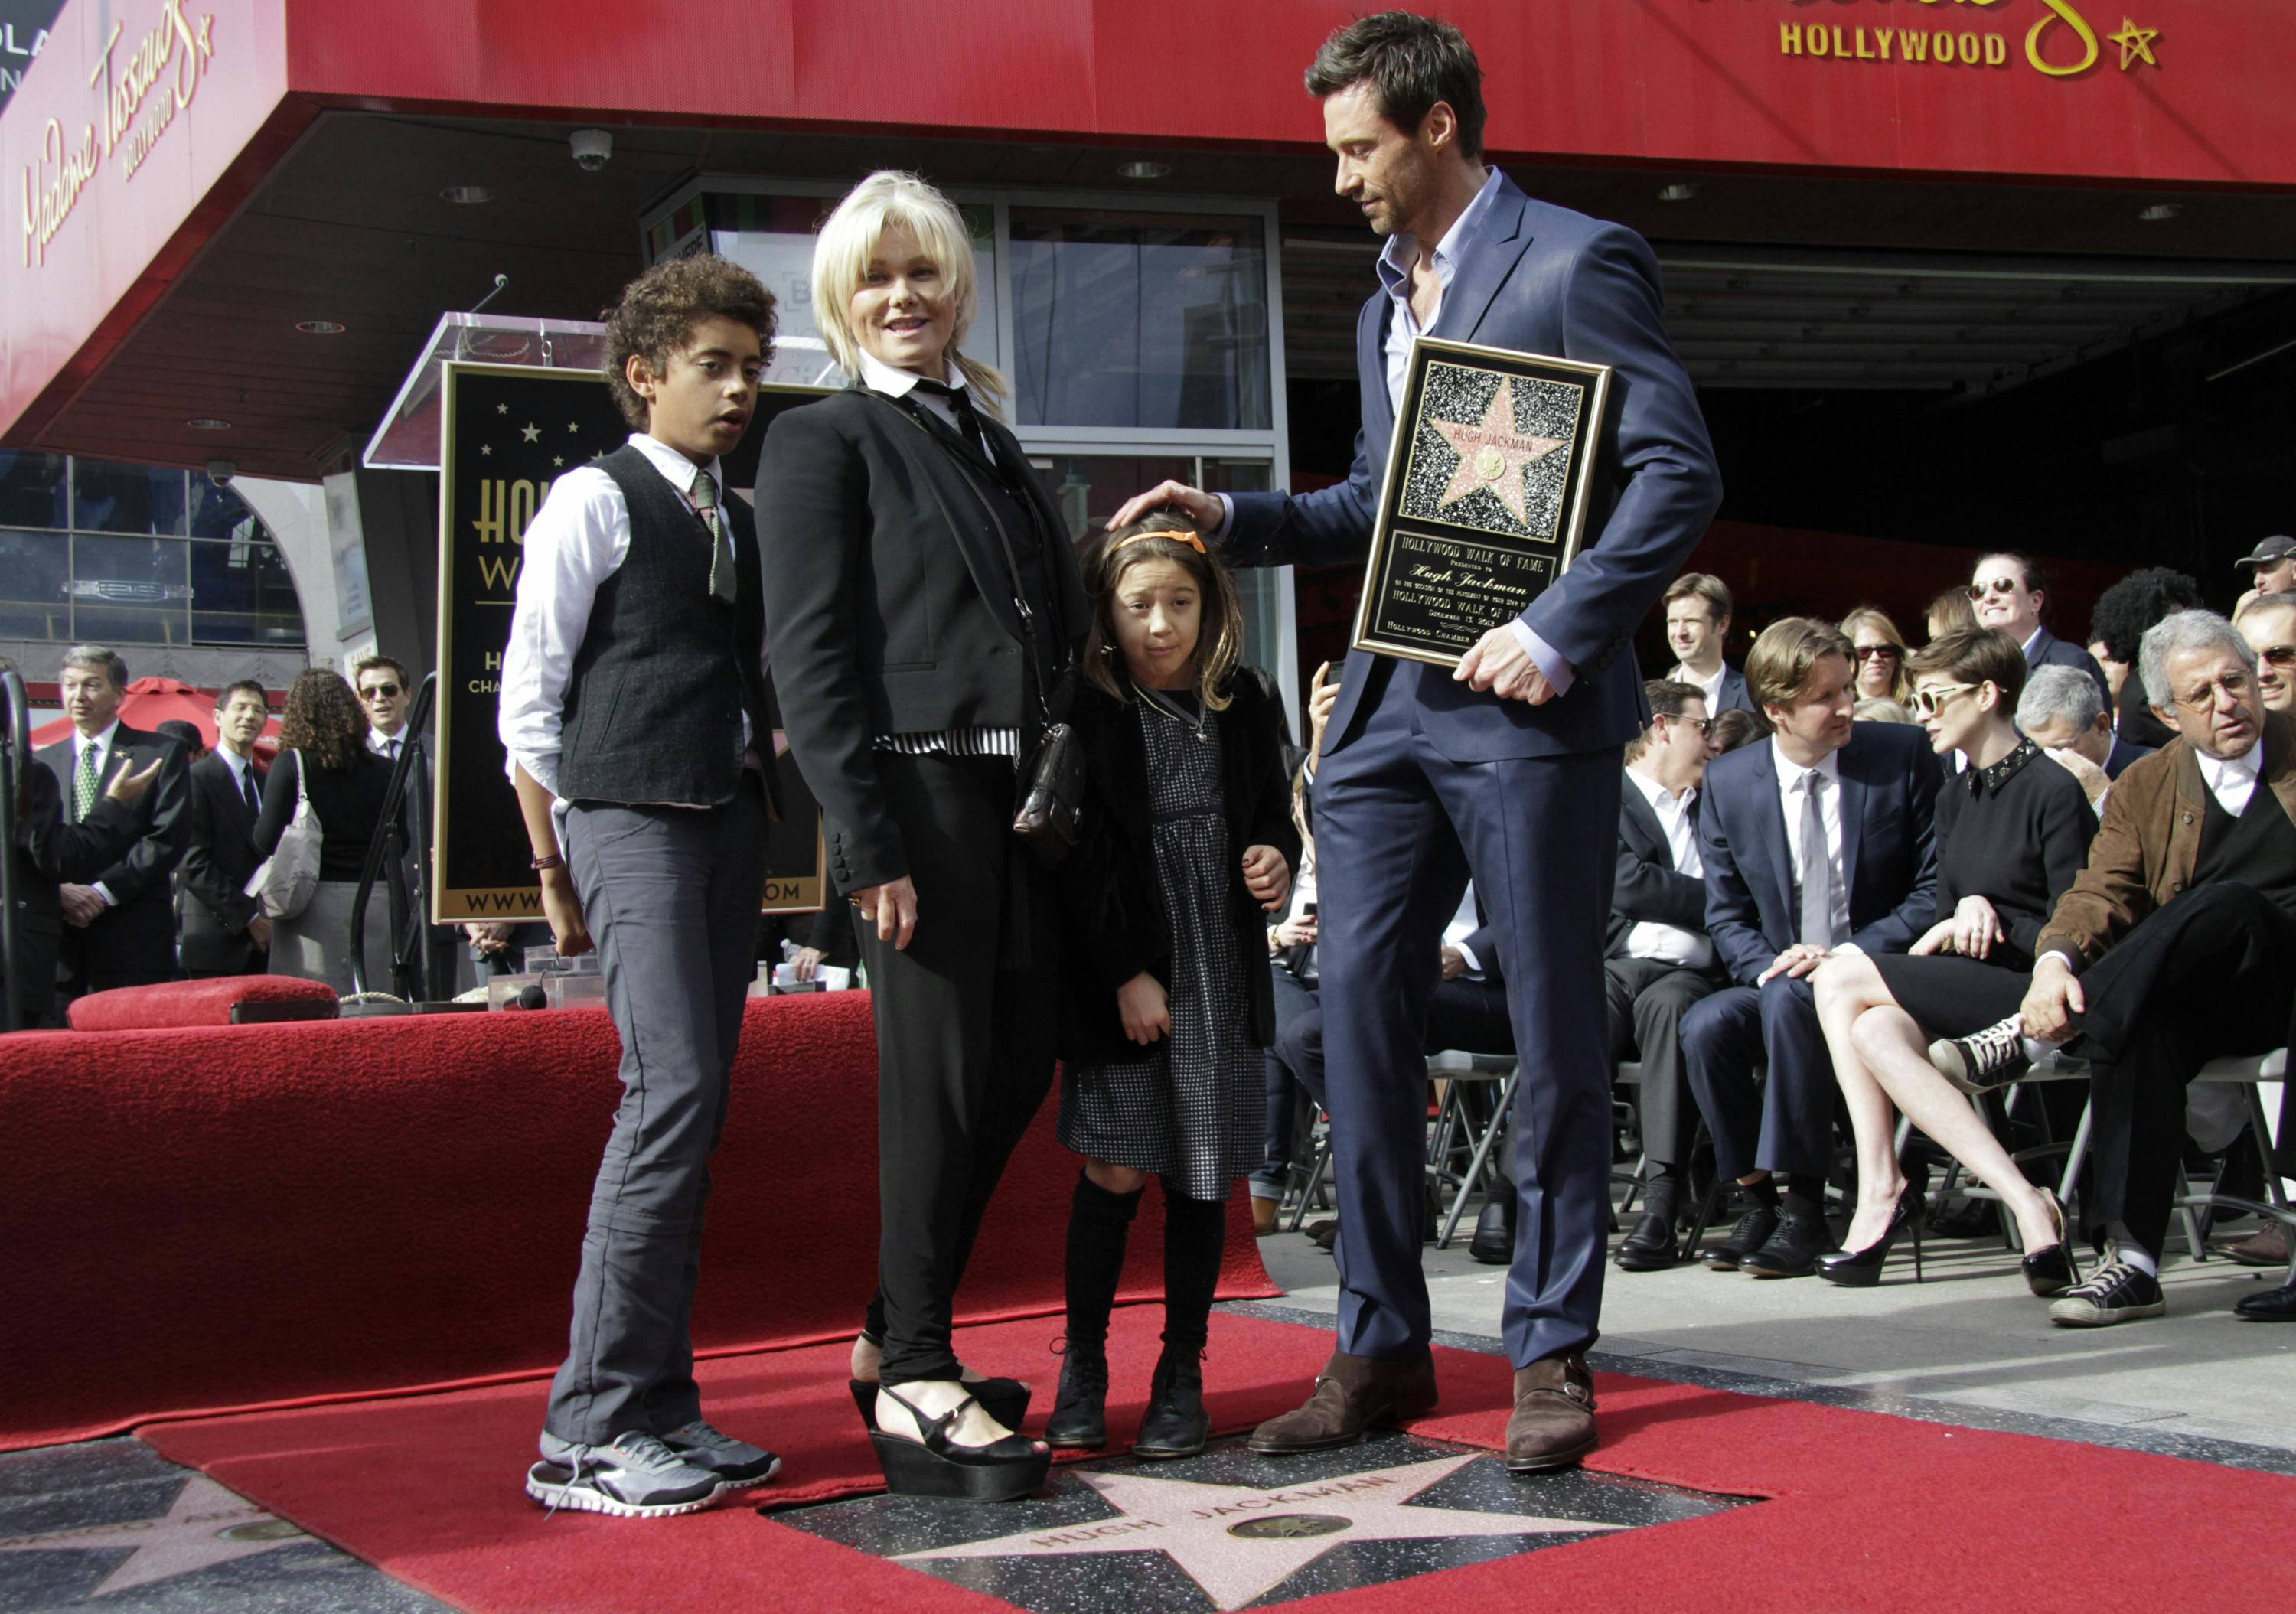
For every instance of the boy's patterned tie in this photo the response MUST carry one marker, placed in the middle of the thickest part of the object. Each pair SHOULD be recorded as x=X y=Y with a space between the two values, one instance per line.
x=704 y=496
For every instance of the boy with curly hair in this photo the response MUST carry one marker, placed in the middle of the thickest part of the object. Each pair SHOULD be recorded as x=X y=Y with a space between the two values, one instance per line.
x=634 y=713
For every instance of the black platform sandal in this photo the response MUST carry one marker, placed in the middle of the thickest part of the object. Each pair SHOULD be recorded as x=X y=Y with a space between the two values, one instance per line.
x=1006 y=1400
x=1003 y=1471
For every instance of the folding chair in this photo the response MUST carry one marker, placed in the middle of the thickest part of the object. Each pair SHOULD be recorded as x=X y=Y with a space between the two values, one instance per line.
x=1456 y=1125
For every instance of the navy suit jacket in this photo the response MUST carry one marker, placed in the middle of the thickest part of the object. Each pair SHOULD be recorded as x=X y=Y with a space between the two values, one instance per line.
x=2049 y=650
x=1889 y=790
x=1537 y=279
x=2117 y=759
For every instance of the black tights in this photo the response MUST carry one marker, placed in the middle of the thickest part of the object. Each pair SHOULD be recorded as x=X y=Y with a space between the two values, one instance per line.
x=1100 y=1226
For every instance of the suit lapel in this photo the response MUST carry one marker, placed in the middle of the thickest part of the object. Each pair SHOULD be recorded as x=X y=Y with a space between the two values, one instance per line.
x=1371 y=361
x=1770 y=817
x=1647 y=827
x=1485 y=266
x=968 y=517
x=1854 y=792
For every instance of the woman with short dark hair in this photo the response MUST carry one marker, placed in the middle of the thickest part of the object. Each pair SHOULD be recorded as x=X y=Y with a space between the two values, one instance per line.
x=323 y=742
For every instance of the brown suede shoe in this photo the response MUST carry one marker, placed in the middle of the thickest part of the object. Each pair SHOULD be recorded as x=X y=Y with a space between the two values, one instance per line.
x=1553 y=1426
x=1354 y=1395
x=1264 y=1215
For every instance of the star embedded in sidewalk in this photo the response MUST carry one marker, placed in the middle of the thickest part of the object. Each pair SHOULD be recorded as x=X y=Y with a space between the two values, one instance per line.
x=1239 y=1542
x=530 y=432
x=1492 y=454
x=2136 y=43
x=208 y=1525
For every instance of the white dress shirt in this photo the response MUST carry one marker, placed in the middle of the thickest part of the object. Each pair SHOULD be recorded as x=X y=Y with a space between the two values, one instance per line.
x=1647 y=938
x=880 y=377
x=1464 y=923
x=386 y=746
x=243 y=772
x=1711 y=688
x=577 y=539
x=1789 y=789
x=101 y=744
x=2231 y=780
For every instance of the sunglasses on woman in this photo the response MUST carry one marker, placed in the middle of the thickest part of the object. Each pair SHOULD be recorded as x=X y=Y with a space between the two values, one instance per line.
x=1929 y=699
x=1879 y=653
x=1999 y=586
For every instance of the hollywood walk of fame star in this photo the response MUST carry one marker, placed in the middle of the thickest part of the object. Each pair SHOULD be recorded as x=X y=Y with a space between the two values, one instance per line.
x=1291 y=1525
x=1492 y=454
x=531 y=433
x=2136 y=43
x=207 y=1525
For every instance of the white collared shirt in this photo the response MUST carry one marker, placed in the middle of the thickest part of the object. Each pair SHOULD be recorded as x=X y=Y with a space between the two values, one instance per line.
x=1790 y=792
x=1711 y=688
x=577 y=539
x=1647 y=938
x=242 y=771
x=385 y=746
x=1464 y=923
x=2231 y=780
x=879 y=376
x=101 y=744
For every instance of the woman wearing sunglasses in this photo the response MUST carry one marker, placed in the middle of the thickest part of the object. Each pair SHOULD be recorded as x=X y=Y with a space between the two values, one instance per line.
x=1879 y=651
x=2013 y=831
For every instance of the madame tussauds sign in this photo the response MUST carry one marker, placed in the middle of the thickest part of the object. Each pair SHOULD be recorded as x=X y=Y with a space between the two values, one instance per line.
x=145 y=81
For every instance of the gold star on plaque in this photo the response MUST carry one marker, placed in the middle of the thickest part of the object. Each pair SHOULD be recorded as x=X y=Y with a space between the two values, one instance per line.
x=573 y=426
x=557 y=459
x=502 y=408
x=531 y=433
x=2136 y=43
x=486 y=448
x=1492 y=454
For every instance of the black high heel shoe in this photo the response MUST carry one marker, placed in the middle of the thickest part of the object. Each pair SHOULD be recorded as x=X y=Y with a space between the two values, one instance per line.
x=1862 y=1268
x=2052 y=1269
x=1003 y=1471
x=1006 y=1400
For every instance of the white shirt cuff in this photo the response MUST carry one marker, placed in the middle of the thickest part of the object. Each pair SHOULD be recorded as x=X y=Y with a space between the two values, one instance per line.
x=1848 y=949
x=1227 y=521
x=1474 y=970
x=1559 y=672
x=110 y=901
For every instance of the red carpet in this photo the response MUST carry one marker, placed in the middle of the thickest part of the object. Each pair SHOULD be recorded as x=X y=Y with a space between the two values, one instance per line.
x=1866 y=1511
x=206 y=1220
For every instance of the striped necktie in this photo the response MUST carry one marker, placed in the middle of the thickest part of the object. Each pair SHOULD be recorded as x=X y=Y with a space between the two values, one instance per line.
x=704 y=496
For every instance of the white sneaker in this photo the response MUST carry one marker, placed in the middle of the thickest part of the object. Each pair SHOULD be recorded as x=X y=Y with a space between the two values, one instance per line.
x=635 y=1475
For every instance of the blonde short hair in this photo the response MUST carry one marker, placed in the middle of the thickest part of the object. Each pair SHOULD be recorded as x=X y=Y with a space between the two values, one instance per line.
x=849 y=239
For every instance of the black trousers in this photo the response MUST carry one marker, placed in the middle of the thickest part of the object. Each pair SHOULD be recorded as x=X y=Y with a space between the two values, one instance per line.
x=2209 y=976
x=966 y=1037
x=1647 y=1001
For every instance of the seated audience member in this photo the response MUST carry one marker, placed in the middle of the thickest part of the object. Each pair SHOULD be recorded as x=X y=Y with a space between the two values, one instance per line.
x=2175 y=945
x=2011 y=832
x=2060 y=712
x=1698 y=625
x=1817 y=840
x=1661 y=961
x=1737 y=727
x=830 y=940
x=1950 y=612
x=224 y=931
x=1874 y=708
x=1877 y=650
x=52 y=848
x=2268 y=623
x=119 y=927
x=2008 y=593
x=323 y=743
x=2117 y=622
x=2271 y=565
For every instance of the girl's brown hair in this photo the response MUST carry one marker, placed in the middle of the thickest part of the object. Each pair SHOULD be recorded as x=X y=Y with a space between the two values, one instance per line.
x=1220 y=638
x=323 y=716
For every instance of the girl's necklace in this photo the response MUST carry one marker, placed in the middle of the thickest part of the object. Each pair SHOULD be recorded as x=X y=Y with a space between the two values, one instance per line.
x=1164 y=704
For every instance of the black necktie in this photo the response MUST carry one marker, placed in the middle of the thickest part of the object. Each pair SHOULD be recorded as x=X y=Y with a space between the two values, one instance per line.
x=959 y=400
x=246 y=780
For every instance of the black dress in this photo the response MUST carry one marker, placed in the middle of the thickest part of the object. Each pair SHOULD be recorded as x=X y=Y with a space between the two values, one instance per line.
x=2016 y=833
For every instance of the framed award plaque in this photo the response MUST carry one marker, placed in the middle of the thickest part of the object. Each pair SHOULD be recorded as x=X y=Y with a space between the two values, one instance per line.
x=1485 y=498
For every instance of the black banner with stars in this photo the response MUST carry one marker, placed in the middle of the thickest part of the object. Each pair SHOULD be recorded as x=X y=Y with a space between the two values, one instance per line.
x=508 y=431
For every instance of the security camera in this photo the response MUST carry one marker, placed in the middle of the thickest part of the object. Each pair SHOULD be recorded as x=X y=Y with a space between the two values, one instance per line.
x=592 y=147
x=221 y=471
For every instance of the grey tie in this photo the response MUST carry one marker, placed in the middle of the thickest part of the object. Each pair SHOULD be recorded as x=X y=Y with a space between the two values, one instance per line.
x=721 y=568
x=1816 y=866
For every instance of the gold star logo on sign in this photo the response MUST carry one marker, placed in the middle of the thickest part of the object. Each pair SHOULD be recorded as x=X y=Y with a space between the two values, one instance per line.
x=2136 y=43
x=1492 y=454
x=531 y=433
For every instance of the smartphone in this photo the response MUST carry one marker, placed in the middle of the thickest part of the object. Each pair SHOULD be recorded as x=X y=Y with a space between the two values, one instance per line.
x=1307 y=910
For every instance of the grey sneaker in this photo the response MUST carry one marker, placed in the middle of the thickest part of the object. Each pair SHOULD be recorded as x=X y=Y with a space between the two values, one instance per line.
x=737 y=1462
x=633 y=1476
x=1983 y=1059
x=2115 y=1292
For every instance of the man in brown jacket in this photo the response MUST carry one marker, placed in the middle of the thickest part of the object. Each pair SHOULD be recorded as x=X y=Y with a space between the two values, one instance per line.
x=2177 y=945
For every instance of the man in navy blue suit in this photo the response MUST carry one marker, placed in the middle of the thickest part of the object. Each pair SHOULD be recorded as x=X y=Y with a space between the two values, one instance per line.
x=1816 y=841
x=1508 y=768
x=2008 y=592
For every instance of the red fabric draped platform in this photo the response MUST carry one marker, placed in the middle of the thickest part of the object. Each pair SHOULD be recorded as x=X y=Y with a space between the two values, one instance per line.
x=257 y=1216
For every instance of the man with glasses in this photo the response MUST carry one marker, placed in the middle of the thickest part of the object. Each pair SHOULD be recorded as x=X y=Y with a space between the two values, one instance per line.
x=2060 y=712
x=2272 y=565
x=2175 y=945
x=2007 y=592
x=2268 y=623
x=385 y=691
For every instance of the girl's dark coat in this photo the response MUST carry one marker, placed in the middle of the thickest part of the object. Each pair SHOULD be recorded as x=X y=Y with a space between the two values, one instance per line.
x=1115 y=904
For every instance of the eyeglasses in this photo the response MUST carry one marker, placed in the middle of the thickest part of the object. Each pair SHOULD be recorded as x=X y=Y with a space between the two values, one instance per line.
x=1877 y=652
x=1928 y=698
x=2200 y=699
x=1705 y=726
x=379 y=691
x=2278 y=655
x=1998 y=585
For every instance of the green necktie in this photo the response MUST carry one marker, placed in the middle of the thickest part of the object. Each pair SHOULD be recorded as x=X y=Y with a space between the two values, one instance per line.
x=721 y=564
x=84 y=783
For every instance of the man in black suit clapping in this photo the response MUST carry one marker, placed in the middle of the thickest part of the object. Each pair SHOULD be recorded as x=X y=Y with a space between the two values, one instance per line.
x=224 y=931
x=119 y=930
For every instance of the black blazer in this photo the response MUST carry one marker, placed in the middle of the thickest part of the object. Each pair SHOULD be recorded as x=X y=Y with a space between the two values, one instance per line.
x=218 y=859
x=1117 y=926
x=2049 y=650
x=888 y=604
x=135 y=940
x=49 y=853
x=1646 y=886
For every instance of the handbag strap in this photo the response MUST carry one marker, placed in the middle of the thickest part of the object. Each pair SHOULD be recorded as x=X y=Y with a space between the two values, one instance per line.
x=302 y=781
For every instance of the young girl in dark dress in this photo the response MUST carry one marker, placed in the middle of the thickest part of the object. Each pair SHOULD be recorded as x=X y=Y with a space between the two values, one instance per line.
x=1186 y=844
x=2013 y=831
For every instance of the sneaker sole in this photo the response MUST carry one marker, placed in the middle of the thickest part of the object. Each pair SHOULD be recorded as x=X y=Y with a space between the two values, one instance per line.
x=2076 y=1314
x=583 y=1499
x=729 y=1482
